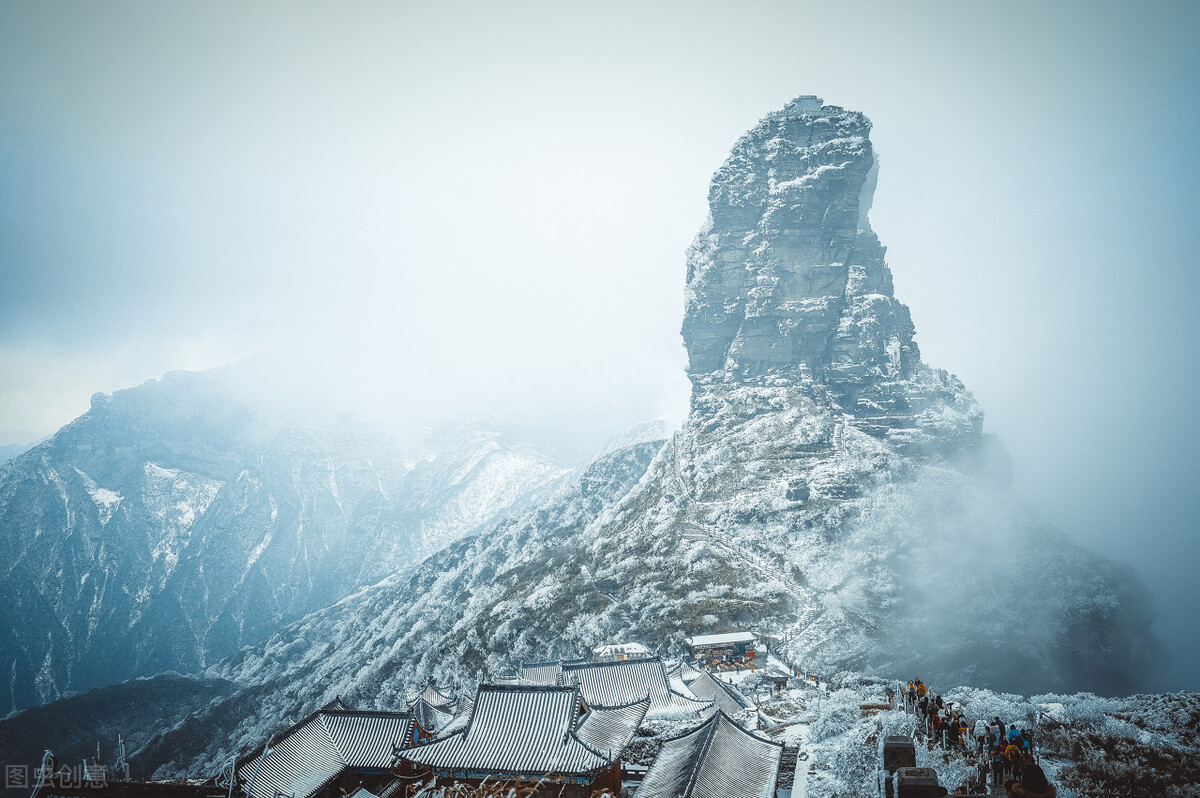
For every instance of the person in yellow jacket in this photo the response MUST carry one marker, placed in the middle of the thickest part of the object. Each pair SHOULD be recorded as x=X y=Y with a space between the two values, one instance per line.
x=1012 y=760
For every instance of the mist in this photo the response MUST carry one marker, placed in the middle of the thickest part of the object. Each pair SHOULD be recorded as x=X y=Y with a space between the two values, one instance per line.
x=479 y=208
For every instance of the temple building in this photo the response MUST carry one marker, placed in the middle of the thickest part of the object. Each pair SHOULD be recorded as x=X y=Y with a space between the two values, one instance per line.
x=528 y=735
x=333 y=751
x=612 y=683
x=719 y=759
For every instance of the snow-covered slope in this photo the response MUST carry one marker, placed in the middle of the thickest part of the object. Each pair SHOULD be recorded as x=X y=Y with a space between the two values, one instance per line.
x=176 y=522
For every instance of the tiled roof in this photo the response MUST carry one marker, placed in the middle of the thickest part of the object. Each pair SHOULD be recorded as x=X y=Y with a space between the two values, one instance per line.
x=395 y=788
x=315 y=751
x=540 y=672
x=677 y=684
x=717 y=760
x=609 y=729
x=462 y=714
x=520 y=730
x=687 y=672
x=725 y=696
x=436 y=698
x=430 y=718
x=617 y=683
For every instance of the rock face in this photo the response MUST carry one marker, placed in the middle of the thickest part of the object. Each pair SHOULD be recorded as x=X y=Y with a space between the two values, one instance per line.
x=174 y=523
x=788 y=288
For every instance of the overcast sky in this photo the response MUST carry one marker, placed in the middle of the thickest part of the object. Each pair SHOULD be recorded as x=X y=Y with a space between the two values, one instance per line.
x=465 y=205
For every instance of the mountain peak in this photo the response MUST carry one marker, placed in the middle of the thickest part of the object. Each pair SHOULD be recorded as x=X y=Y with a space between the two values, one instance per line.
x=787 y=283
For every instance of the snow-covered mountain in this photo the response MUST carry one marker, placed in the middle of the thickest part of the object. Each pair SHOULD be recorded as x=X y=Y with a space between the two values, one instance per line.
x=827 y=488
x=175 y=522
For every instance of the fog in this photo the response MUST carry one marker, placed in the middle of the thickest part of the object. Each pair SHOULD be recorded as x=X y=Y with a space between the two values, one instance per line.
x=439 y=208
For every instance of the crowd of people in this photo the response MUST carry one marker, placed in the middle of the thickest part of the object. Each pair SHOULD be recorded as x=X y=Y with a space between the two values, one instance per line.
x=1003 y=751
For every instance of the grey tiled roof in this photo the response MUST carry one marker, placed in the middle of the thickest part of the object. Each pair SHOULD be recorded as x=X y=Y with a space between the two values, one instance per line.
x=687 y=672
x=462 y=714
x=609 y=729
x=429 y=717
x=725 y=696
x=520 y=730
x=717 y=760
x=617 y=683
x=436 y=698
x=315 y=751
x=540 y=672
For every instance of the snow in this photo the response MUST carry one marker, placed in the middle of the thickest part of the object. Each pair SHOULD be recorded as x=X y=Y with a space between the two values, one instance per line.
x=262 y=544
x=107 y=501
x=176 y=499
x=716 y=640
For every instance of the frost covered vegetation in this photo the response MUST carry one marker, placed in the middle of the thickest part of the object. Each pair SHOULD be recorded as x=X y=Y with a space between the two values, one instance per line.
x=1090 y=746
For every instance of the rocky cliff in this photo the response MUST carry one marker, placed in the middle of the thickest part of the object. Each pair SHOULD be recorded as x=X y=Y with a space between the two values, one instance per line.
x=787 y=287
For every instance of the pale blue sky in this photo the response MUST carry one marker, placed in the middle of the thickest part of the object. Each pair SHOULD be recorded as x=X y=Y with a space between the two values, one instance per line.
x=477 y=204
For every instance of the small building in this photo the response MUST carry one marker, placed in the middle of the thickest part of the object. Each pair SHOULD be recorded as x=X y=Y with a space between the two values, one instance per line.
x=530 y=734
x=733 y=648
x=615 y=683
x=619 y=652
x=719 y=758
x=333 y=751
x=804 y=104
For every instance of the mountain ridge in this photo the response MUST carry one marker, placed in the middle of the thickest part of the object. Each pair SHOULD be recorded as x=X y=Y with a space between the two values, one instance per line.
x=177 y=521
